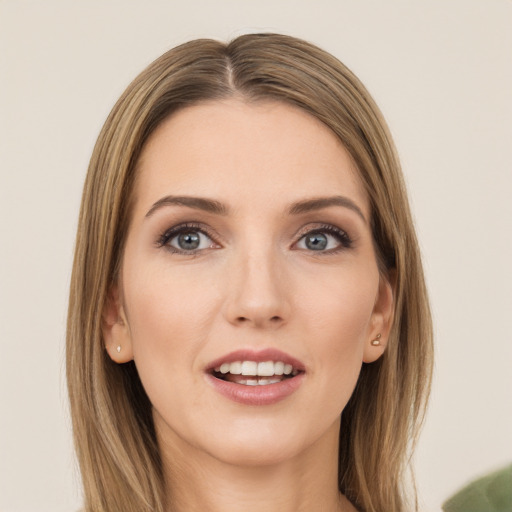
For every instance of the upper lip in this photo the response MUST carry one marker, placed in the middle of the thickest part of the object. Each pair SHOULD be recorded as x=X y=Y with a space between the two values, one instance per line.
x=258 y=356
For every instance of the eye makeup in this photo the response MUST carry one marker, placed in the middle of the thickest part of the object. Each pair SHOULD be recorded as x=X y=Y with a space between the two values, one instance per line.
x=342 y=238
x=186 y=230
x=191 y=238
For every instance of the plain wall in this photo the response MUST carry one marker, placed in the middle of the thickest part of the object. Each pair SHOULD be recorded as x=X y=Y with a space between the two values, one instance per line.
x=440 y=70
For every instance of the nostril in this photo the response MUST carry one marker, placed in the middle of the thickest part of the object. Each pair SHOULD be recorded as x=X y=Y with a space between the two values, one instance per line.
x=260 y=321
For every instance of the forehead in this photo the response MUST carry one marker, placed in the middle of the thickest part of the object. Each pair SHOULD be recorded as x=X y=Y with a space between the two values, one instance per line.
x=245 y=152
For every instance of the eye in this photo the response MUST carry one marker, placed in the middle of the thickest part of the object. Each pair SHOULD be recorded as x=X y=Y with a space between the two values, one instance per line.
x=326 y=239
x=189 y=241
x=186 y=240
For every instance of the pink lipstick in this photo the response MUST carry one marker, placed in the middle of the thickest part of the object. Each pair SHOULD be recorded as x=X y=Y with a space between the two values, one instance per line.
x=252 y=377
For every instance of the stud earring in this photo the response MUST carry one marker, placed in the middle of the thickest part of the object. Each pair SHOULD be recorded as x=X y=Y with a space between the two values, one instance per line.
x=118 y=348
x=376 y=341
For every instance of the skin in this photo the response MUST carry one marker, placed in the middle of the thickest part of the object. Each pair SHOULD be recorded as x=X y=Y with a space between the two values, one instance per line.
x=254 y=283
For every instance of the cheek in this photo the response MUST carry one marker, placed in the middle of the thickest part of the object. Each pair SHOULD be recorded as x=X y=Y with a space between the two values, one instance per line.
x=170 y=316
x=340 y=313
x=342 y=303
x=168 y=313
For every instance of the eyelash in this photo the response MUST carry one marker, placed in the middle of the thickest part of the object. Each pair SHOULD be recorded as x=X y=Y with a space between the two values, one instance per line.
x=163 y=240
x=166 y=236
x=341 y=236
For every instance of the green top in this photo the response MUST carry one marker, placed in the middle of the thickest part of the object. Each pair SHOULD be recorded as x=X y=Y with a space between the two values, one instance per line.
x=491 y=493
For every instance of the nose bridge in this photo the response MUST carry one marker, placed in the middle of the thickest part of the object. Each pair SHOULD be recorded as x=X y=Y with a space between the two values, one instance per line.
x=258 y=294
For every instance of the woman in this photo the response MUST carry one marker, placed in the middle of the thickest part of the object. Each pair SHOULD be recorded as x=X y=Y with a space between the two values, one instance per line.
x=248 y=323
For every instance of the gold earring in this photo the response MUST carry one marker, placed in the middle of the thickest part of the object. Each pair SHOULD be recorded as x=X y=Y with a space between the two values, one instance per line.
x=376 y=341
x=118 y=348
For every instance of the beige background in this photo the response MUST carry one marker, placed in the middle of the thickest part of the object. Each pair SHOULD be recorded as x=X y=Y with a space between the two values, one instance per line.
x=441 y=71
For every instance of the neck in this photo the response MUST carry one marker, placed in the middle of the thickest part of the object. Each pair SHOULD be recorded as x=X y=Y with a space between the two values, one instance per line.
x=196 y=481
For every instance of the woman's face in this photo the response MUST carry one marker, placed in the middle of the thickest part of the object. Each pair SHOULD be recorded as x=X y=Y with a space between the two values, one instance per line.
x=249 y=243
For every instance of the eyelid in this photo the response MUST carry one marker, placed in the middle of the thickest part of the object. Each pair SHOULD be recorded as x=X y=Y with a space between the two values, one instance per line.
x=345 y=240
x=168 y=234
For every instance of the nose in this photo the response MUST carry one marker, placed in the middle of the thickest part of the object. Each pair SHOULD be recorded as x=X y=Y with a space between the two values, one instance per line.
x=258 y=292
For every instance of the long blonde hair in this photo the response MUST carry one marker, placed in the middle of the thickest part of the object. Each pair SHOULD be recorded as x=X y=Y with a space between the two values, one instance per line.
x=112 y=421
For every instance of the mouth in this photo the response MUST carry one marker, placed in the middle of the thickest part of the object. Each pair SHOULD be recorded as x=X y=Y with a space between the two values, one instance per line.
x=253 y=373
x=256 y=378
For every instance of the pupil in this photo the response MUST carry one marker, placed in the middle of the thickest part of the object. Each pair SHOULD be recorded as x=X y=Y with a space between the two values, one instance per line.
x=316 y=242
x=188 y=241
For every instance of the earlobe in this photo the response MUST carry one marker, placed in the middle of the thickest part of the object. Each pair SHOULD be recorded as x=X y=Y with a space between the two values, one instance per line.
x=381 y=321
x=115 y=329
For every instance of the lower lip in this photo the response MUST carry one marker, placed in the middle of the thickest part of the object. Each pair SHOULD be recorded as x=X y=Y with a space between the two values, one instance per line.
x=256 y=395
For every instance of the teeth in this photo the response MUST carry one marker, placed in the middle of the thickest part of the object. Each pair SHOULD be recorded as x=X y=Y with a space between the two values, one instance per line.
x=278 y=368
x=262 y=382
x=252 y=368
x=266 y=369
x=249 y=368
x=235 y=368
x=258 y=382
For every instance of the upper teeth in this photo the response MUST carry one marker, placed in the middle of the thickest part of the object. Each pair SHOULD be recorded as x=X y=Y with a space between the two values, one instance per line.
x=264 y=369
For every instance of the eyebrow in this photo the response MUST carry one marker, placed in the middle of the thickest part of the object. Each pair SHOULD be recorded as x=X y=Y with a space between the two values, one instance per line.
x=216 y=207
x=198 y=203
x=319 y=203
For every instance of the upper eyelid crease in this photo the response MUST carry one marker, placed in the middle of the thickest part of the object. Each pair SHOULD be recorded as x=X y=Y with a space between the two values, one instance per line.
x=218 y=208
x=343 y=237
x=183 y=227
x=341 y=234
x=318 y=203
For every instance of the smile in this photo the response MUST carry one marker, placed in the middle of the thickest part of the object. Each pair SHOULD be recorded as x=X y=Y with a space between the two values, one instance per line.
x=252 y=373
x=256 y=378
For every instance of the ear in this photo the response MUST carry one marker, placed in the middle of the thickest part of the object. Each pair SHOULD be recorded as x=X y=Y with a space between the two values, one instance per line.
x=381 y=320
x=115 y=328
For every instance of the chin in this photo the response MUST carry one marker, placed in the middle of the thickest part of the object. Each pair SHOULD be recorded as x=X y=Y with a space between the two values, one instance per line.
x=257 y=442
x=256 y=452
